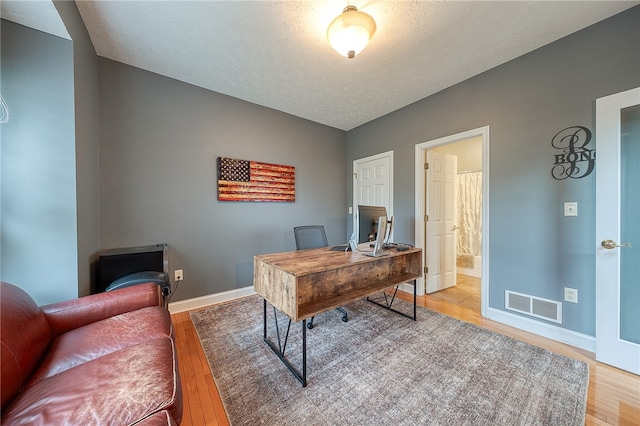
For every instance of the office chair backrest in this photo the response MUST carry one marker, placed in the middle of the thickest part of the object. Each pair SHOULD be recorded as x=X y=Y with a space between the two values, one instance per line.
x=310 y=236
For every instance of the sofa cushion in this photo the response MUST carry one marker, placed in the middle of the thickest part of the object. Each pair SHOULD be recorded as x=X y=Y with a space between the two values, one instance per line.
x=25 y=336
x=121 y=388
x=102 y=338
x=74 y=313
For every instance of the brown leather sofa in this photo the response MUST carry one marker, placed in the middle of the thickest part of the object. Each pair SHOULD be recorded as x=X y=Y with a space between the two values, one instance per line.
x=104 y=359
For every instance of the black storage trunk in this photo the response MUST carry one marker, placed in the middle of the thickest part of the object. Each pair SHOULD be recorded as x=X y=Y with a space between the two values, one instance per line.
x=117 y=263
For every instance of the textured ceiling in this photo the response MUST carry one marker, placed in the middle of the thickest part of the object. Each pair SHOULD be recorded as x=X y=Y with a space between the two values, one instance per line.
x=40 y=15
x=275 y=53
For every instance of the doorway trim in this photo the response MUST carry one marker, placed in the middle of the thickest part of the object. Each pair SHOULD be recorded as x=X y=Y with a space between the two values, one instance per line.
x=420 y=189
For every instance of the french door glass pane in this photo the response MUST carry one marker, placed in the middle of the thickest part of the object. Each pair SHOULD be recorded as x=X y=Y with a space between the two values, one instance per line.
x=630 y=224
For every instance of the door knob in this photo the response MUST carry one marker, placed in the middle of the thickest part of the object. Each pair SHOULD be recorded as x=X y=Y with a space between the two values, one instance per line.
x=610 y=244
x=455 y=228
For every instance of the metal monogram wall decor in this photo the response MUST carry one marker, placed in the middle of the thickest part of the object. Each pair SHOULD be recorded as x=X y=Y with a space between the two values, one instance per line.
x=575 y=160
x=242 y=180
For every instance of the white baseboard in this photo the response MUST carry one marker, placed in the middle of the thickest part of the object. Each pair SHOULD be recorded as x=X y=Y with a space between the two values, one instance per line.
x=469 y=271
x=408 y=288
x=550 y=331
x=212 y=299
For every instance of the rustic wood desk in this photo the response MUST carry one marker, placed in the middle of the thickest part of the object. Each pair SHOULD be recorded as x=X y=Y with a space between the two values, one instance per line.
x=304 y=283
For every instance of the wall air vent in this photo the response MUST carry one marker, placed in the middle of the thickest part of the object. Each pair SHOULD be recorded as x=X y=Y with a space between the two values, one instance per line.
x=534 y=306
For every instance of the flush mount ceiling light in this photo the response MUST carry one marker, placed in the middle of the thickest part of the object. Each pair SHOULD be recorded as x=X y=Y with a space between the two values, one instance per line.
x=351 y=31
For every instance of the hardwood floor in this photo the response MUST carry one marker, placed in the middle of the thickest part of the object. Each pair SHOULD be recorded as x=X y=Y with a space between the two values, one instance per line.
x=613 y=398
x=466 y=293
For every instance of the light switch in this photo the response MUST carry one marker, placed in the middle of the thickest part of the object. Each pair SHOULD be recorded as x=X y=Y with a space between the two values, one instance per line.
x=571 y=209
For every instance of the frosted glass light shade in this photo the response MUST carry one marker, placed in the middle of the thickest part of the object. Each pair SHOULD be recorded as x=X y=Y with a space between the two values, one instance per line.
x=351 y=31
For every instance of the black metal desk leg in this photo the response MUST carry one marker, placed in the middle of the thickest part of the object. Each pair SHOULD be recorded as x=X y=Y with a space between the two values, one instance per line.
x=388 y=303
x=304 y=353
x=415 y=295
x=280 y=349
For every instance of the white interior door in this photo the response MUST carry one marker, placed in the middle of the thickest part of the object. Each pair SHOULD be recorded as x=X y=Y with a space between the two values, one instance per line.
x=441 y=210
x=373 y=184
x=618 y=230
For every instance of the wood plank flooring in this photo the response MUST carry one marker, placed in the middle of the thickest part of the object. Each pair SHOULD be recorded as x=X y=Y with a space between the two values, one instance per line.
x=613 y=398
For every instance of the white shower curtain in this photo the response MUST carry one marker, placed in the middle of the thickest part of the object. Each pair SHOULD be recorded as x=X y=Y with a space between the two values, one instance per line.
x=470 y=213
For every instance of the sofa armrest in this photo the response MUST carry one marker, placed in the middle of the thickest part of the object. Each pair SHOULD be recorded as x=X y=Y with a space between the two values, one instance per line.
x=71 y=314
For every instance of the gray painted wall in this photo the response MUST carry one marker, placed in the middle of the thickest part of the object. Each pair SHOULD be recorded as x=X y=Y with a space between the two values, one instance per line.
x=85 y=80
x=159 y=141
x=533 y=248
x=39 y=226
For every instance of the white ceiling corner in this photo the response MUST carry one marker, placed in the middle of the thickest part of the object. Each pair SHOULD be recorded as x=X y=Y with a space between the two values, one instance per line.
x=40 y=15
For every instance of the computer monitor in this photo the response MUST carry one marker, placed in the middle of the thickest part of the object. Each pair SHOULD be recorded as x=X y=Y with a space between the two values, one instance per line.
x=379 y=244
x=387 y=236
x=368 y=222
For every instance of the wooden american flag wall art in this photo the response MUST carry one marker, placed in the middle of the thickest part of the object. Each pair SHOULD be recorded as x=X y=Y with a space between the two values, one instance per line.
x=242 y=180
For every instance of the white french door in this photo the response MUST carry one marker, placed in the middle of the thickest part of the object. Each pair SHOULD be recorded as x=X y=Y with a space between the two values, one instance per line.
x=618 y=230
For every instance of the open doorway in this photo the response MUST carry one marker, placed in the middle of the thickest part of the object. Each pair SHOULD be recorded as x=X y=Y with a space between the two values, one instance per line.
x=470 y=237
x=467 y=228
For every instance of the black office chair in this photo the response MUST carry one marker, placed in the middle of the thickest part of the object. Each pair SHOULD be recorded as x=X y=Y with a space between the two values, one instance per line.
x=309 y=237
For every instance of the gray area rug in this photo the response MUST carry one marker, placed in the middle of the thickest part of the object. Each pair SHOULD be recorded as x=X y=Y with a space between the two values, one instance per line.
x=381 y=368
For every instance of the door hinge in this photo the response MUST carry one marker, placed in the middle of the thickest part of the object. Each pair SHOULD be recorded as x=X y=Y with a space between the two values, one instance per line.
x=426 y=269
x=426 y=218
x=426 y=166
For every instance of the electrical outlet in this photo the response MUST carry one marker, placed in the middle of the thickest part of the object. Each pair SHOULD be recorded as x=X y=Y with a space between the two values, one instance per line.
x=570 y=295
x=178 y=275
